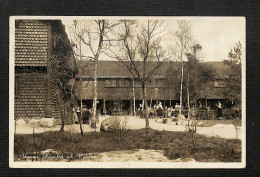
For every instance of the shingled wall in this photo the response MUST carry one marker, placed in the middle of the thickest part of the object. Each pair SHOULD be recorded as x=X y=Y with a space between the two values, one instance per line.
x=35 y=52
x=31 y=56
x=30 y=43
x=54 y=96
x=31 y=97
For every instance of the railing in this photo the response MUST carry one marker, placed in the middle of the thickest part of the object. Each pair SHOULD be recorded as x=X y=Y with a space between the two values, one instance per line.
x=206 y=115
x=118 y=113
x=231 y=113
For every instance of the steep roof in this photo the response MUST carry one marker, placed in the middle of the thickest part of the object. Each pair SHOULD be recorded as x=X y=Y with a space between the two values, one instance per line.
x=117 y=69
x=220 y=68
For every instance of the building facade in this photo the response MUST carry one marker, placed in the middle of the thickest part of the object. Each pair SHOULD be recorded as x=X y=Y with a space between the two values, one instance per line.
x=38 y=61
x=116 y=84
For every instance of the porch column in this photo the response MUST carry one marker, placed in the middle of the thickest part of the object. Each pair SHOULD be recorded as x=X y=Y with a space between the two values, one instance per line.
x=104 y=107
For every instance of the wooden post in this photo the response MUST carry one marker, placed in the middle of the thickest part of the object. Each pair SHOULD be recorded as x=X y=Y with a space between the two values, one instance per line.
x=104 y=107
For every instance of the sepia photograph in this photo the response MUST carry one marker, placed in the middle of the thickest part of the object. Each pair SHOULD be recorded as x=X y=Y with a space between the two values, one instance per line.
x=127 y=92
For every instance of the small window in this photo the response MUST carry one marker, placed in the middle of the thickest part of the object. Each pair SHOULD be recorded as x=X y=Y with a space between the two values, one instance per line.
x=113 y=83
x=110 y=83
x=127 y=83
x=219 y=83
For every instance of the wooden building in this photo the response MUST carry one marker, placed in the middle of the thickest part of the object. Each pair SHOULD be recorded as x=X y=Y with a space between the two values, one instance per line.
x=42 y=48
x=115 y=83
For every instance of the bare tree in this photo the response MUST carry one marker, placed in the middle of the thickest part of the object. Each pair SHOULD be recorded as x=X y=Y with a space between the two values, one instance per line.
x=94 y=34
x=183 y=45
x=77 y=30
x=139 y=50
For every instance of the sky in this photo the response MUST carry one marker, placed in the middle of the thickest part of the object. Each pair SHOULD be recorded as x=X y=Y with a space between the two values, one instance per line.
x=217 y=35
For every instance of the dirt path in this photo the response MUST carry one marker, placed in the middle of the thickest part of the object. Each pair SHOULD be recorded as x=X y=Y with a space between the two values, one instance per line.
x=224 y=131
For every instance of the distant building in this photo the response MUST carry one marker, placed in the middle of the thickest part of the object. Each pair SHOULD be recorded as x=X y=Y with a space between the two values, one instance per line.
x=116 y=84
x=37 y=63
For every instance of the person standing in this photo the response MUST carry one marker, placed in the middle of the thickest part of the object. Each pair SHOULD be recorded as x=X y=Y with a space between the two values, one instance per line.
x=193 y=112
x=75 y=116
x=219 y=110
x=78 y=113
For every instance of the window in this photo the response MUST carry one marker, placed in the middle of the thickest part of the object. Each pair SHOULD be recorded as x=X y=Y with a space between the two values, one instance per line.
x=123 y=83
x=127 y=83
x=219 y=83
x=111 y=83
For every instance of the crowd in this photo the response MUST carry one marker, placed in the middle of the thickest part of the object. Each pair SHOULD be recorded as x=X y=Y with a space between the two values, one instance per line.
x=84 y=112
x=168 y=112
x=156 y=111
x=159 y=111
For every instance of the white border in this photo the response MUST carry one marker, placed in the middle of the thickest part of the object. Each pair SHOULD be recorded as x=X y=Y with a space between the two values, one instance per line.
x=158 y=165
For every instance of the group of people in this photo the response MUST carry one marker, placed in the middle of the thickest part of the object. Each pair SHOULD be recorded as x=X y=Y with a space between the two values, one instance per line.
x=84 y=112
x=155 y=111
x=159 y=111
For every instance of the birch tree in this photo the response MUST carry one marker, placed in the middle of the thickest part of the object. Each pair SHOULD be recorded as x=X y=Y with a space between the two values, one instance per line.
x=139 y=50
x=94 y=34
x=183 y=43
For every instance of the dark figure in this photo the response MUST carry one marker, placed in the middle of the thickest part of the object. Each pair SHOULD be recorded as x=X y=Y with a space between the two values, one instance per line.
x=139 y=113
x=86 y=115
x=159 y=112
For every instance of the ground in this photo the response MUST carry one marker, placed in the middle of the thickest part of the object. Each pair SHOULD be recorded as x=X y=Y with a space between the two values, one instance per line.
x=163 y=142
x=217 y=128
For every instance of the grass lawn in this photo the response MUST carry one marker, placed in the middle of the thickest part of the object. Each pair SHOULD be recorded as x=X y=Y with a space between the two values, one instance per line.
x=175 y=144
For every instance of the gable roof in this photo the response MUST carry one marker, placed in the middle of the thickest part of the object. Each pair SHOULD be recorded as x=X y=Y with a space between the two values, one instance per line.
x=112 y=69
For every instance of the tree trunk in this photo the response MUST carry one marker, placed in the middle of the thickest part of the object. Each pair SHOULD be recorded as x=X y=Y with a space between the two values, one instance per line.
x=102 y=30
x=95 y=91
x=80 y=123
x=145 y=106
x=188 y=94
x=164 y=103
x=181 y=85
x=133 y=95
x=131 y=107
